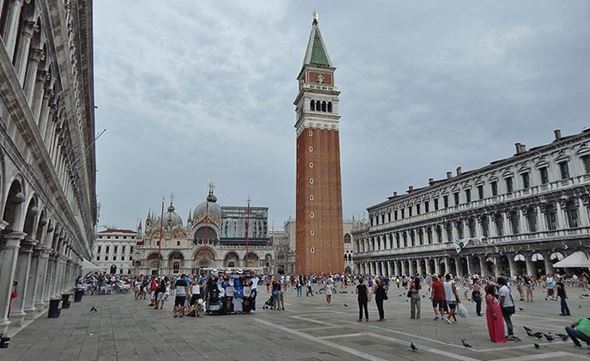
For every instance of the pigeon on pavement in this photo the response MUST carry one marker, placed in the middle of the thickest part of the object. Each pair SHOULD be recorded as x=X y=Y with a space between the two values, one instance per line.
x=413 y=347
x=465 y=344
x=536 y=345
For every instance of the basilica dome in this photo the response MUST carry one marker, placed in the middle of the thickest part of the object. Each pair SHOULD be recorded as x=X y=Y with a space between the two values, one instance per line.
x=171 y=219
x=208 y=209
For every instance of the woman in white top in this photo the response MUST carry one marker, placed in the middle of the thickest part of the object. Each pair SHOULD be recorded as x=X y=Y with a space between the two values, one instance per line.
x=452 y=298
x=329 y=287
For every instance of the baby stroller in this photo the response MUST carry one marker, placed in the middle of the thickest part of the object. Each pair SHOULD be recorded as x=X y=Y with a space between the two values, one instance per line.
x=270 y=303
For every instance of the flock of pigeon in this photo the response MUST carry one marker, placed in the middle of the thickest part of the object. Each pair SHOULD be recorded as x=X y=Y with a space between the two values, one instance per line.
x=539 y=334
x=548 y=336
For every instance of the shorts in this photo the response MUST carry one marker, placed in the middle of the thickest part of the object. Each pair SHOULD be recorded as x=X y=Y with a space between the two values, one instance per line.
x=550 y=291
x=179 y=301
x=439 y=303
x=161 y=296
x=194 y=299
x=452 y=304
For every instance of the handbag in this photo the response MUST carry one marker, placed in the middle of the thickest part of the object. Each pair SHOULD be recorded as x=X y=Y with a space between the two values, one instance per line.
x=409 y=294
x=385 y=296
x=462 y=310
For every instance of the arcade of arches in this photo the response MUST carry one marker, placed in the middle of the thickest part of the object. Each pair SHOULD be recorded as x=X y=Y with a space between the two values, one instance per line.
x=509 y=263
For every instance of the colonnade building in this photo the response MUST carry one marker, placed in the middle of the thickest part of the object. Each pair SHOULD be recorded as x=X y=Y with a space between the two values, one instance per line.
x=47 y=162
x=514 y=216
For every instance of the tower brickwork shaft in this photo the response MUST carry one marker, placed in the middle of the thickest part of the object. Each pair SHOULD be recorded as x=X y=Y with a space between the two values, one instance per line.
x=319 y=235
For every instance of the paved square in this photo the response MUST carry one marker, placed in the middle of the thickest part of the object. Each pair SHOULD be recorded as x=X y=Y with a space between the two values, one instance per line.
x=125 y=329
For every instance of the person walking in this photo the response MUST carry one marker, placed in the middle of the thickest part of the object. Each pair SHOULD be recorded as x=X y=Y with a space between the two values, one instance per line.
x=362 y=297
x=476 y=295
x=550 y=283
x=493 y=313
x=329 y=291
x=181 y=288
x=560 y=289
x=380 y=296
x=415 y=298
x=451 y=298
x=507 y=304
x=437 y=296
x=529 y=288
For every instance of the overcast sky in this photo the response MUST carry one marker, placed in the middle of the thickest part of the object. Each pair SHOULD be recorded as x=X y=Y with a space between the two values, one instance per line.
x=192 y=91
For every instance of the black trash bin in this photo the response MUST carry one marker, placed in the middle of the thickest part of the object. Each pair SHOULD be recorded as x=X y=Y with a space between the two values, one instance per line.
x=65 y=300
x=78 y=295
x=54 y=309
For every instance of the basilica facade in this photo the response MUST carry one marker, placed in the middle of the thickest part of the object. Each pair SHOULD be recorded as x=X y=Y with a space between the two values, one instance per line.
x=517 y=215
x=214 y=236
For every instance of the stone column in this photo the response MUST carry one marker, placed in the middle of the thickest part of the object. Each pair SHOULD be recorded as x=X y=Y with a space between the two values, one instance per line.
x=458 y=269
x=23 y=269
x=482 y=268
x=541 y=222
x=396 y=268
x=583 y=219
x=529 y=265
x=561 y=222
x=389 y=268
x=419 y=262
x=404 y=268
x=22 y=55
x=40 y=102
x=32 y=83
x=11 y=25
x=523 y=225
x=437 y=266
x=47 y=280
x=548 y=264
x=9 y=245
x=446 y=261
x=496 y=270
x=40 y=283
x=511 y=265
x=506 y=222
x=468 y=260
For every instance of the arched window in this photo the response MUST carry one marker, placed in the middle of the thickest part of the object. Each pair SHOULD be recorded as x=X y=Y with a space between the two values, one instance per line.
x=329 y=107
x=175 y=267
x=324 y=106
x=312 y=105
x=347 y=238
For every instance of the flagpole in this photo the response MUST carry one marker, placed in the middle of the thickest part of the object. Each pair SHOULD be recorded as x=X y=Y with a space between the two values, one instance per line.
x=161 y=230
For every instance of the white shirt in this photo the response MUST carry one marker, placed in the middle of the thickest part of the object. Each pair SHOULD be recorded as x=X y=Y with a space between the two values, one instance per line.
x=449 y=294
x=505 y=292
x=254 y=282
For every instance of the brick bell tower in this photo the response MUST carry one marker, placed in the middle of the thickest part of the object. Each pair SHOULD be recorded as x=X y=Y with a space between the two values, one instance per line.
x=319 y=239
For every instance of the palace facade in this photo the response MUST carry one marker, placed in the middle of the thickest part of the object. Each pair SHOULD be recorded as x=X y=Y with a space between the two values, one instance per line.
x=516 y=215
x=214 y=237
x=47 y=161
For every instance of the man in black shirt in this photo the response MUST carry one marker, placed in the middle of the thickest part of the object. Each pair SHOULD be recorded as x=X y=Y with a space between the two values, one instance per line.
x=565 y=311
x=363 y=298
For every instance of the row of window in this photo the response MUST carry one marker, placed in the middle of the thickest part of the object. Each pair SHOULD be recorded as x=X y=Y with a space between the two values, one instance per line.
x=116 y=237
x=106 y=258
x=115 y=249
x=320 y=106
x=417 y=237
x=417 y=209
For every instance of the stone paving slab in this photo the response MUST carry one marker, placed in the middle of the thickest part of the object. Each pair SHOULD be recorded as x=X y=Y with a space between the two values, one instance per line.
x=125 y=329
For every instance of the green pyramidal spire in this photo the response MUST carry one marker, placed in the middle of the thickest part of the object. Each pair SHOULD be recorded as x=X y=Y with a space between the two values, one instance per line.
x=316 y=53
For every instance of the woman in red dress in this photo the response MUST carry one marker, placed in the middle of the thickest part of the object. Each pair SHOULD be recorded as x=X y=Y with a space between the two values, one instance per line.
x=494 y=316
